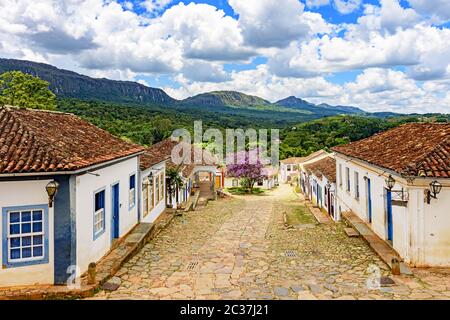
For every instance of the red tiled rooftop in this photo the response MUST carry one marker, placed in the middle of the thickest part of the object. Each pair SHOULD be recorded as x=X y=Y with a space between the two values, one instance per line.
x=297 y=160
x=413 y=149
x=292 y=160
x=325 y=166
x=34 y=141
x=157 y=153
x=163 y=151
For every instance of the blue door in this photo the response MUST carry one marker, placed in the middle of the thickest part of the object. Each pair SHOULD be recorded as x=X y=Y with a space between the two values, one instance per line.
x=389 y=214
x=115 y=211
x=369 y=201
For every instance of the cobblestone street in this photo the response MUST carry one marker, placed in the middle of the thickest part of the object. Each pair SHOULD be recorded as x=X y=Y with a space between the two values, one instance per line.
x=239 y=248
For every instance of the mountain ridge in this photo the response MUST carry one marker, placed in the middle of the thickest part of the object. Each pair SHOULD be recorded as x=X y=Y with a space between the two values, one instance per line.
x=70 y=84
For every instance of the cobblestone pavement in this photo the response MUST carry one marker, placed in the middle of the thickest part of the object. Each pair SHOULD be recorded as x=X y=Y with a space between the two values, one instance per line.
x=240 y=249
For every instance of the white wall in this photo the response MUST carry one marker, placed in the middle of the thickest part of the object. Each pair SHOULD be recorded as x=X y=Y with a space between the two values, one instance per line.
x=88 y=249
x=437 y=230
x=24 y=193
x=285 y=173
x=161 y=206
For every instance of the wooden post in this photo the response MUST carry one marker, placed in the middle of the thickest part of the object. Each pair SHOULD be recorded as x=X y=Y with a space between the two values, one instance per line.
x=92 y=273
x=395 y=266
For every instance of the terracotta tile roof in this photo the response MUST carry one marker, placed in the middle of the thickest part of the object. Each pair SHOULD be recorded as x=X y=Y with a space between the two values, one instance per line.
x=413 y=149
x=314 y=155
x=325 y=167
x=163 y=151
x=157 y=153
x=292 y=160
x=46 y=141
x=297 y=160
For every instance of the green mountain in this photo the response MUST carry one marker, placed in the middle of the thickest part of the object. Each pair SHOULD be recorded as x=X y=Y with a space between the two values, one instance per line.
x=322 y=109
x=69 y=84
x=225 y=98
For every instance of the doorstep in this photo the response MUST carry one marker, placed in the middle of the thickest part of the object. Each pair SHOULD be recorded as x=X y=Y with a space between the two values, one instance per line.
x=381 y=248
x=106 y=268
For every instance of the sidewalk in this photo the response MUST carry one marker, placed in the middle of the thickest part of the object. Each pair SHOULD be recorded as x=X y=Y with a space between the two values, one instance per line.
x=381 y=248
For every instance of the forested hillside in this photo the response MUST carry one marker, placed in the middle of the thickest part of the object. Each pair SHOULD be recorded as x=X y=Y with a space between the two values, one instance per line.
x=305 y=138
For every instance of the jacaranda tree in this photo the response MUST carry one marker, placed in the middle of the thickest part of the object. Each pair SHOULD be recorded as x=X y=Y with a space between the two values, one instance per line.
x=248 y=168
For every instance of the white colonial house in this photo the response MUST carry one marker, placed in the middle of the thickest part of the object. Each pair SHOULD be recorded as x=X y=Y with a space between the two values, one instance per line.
x=398 y=182
x=67 y=190
x=318 y=183
x=289 y=169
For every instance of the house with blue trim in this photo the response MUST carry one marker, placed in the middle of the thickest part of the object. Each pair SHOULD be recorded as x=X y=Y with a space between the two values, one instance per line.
x=153 y=182
x=68 y=191
x=397 y=182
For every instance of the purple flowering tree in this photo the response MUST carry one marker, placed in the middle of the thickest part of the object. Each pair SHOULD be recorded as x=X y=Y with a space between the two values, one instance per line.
x=248 y=168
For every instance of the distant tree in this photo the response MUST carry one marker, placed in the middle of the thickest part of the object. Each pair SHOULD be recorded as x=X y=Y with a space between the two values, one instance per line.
x=249 y=170
x=161 y=129
x=24 y=90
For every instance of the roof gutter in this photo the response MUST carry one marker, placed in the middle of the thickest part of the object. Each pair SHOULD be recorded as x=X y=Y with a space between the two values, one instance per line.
x=73 y=172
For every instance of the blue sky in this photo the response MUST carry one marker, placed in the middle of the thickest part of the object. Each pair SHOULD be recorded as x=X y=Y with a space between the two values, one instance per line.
x=375 y=54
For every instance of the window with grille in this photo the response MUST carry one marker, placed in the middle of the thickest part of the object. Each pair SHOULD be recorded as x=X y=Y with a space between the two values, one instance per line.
x=99 y=213
x=132 y=190
x=25 y=235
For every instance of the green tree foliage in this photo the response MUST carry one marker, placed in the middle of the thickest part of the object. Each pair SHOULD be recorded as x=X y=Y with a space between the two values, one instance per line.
x=174 y=182
x=24 y=90
x=305 y=138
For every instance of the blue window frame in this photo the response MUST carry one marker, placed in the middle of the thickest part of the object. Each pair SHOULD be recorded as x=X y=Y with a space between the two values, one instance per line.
x=99 y=213
x=132 y=192
x=25 y=235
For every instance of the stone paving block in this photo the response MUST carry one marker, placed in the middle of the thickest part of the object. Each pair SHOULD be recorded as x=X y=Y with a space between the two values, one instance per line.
x=240 y=245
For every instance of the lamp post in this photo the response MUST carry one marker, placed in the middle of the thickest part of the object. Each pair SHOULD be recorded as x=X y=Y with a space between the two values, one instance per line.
x=435 y=189
x=390 y=182
x=52 y=189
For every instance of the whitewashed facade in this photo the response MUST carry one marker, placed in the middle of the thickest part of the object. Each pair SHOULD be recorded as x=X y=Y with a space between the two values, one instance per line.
x=418 y=231
x=84 y=228
x=317 y=183
x=49 y=240
x=92 y=244
x=288 y=169
x=398 y=182
x=153 y=192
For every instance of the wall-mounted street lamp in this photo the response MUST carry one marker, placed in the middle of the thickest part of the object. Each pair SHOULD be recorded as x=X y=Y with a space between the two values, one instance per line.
x=396 y=195
x=148 y=181
x=52 y=189
x=328 y=185
x=390 y=182
x=435 y=189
